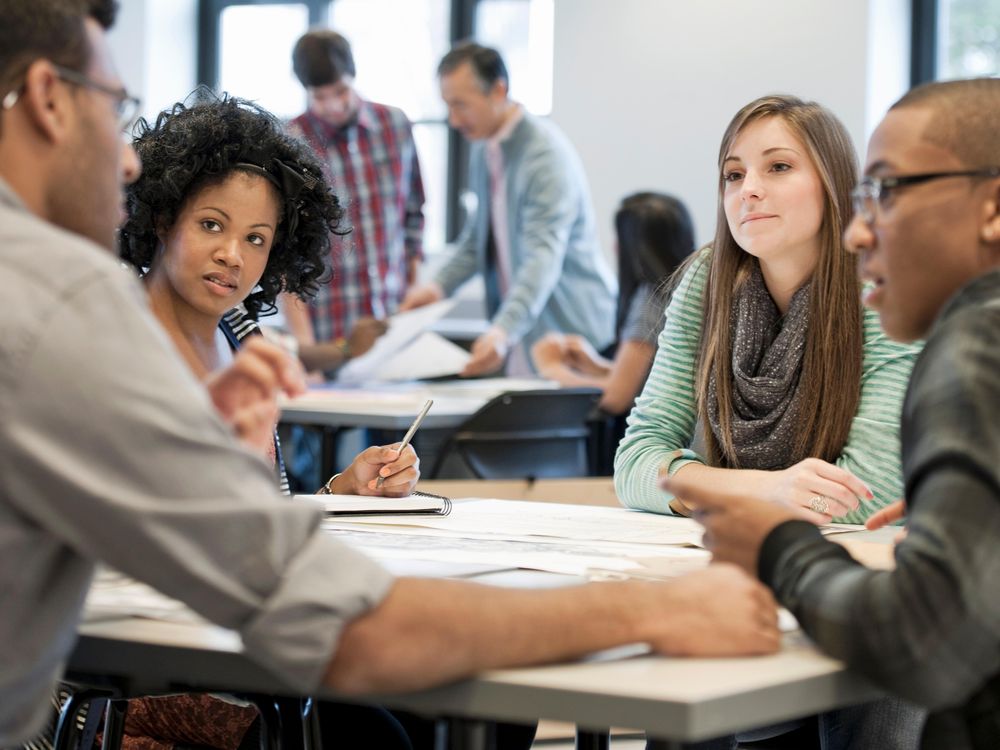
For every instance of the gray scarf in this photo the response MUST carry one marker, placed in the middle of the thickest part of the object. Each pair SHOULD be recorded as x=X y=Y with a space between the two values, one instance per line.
x=767 y=363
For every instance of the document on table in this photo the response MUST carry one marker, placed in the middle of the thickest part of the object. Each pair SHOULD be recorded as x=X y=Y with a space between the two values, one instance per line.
x=601 y=560
x=114 y=595
x=404 y=330
x=515 y=519
x=363 y=505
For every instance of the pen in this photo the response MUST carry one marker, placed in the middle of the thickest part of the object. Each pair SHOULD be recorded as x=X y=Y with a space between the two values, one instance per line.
x=409 y=435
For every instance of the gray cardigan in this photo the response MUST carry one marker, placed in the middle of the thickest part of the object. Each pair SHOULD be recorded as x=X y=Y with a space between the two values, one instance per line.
x=560 y=280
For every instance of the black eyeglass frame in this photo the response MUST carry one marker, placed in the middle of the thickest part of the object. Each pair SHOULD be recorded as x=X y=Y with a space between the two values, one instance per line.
x=869 y=195
x=127 y=106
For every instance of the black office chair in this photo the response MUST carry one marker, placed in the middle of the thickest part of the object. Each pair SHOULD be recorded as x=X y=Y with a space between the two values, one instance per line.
x=522 y=434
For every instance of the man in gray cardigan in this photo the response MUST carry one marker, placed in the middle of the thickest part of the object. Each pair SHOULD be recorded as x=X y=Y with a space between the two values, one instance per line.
x=532 y=234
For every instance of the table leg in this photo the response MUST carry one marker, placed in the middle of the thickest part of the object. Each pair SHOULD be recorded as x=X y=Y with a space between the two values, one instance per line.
x=114 y=723
x=593 y=739
x=465 y=734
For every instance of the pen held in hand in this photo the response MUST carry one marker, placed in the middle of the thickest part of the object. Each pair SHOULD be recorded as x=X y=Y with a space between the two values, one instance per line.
x=409 y=435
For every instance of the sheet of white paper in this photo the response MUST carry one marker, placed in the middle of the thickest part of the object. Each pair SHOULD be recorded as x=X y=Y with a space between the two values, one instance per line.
x=593 y=559
x=403 y=328
x=362 y=503
x=113 y=594
x=427 y=356
x=515 y=518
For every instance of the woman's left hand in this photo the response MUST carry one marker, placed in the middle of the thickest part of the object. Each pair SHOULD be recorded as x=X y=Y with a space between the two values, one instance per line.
x=399 y=471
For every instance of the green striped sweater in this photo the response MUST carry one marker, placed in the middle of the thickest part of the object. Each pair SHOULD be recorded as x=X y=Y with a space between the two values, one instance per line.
x=662 y=424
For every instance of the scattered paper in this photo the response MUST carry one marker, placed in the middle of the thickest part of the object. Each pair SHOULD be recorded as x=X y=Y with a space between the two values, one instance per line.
x=403 y=328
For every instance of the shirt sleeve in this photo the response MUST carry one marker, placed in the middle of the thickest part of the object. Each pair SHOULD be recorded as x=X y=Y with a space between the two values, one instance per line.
x=119 y=453
x=549 y=209
x=414 y=221
x=928 y=630
x=871 y=452
x=662 y=423
x=460 y=261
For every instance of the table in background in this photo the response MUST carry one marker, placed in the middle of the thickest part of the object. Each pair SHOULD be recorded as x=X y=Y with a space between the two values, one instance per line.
x=392 y=407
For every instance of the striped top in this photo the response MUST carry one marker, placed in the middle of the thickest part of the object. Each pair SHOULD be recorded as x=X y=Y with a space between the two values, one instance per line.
x=662 y=424
x=237 y=325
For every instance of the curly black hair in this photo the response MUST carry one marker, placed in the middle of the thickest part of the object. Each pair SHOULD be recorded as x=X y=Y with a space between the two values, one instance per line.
x=192 y=147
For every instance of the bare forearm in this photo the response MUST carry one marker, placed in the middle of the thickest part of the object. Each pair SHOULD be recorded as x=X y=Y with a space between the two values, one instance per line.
x=567 y=376
x=325 y=356
x=297 y=318
x=428 y=632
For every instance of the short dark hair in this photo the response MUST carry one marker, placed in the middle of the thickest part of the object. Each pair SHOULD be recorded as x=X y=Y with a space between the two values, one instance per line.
x=50 y=29
x=964 y=118
x=322 y=57
x=486 y=63
x=193 y=147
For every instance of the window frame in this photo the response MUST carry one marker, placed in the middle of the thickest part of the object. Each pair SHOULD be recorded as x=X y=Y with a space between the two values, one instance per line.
x=923 y=41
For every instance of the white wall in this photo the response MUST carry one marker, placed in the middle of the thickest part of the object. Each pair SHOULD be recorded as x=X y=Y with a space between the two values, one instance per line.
x=645 y=88
x=155 y=44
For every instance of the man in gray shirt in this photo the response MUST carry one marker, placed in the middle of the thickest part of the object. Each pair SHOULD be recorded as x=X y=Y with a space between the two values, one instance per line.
x=111 y=451
x=532 y=235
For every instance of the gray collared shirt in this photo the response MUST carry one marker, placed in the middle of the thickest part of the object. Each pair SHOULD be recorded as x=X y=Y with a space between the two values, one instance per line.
x=928 y=631
x=111 y=451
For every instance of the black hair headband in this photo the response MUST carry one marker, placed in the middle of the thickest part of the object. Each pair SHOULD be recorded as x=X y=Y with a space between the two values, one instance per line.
x=289 y=180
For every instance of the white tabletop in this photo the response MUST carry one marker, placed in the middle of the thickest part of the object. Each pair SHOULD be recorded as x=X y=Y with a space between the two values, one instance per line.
x=671 y=698
x=394 y=406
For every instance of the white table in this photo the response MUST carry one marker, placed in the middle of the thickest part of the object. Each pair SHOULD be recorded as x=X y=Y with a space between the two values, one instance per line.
x=394 y=406
x=674 y=699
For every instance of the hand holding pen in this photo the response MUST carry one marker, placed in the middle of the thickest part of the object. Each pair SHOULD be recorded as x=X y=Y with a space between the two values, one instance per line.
x=390 y=470
x=406 y=438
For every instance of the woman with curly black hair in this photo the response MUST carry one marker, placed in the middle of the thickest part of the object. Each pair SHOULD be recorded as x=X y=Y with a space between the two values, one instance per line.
x=228 y=213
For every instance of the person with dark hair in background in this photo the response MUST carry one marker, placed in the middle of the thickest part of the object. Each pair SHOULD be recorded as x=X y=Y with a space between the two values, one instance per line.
x=532 y=235
x=107 y=436
x=654 y=236
x=370 y=158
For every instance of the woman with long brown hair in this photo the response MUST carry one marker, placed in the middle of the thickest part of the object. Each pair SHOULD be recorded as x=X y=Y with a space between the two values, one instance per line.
x=767 y=351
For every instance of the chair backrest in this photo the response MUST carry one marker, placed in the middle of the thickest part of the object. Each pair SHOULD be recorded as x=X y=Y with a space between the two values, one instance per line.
x=522 y=434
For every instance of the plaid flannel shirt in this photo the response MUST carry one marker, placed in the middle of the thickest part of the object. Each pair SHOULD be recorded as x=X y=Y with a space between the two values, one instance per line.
x=373 y=169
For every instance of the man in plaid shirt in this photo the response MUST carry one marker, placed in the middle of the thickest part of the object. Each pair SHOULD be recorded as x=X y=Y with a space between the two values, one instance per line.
x=372 y=165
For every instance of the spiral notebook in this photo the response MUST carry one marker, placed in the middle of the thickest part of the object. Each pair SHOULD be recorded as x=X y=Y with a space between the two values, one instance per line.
x=362 y=505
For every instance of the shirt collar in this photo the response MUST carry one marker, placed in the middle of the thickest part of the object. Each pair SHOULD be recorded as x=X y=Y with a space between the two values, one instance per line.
x=10 y=197
x=507 y=129
x=365 y=120
x=981 y=289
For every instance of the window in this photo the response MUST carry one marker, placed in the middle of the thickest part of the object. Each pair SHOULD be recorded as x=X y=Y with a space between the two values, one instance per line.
x=262 y=72
x=968 y=38
x=397 y=67
x=955 y=39
x=523 y=32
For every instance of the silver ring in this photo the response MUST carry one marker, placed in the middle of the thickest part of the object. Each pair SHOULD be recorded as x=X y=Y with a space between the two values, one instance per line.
x=820 y=504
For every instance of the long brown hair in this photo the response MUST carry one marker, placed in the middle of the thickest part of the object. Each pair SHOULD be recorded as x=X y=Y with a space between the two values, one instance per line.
x=831 y=368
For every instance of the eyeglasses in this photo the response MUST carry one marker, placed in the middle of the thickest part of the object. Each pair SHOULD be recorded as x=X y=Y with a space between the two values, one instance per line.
x=872 y=193
x=126 y=105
